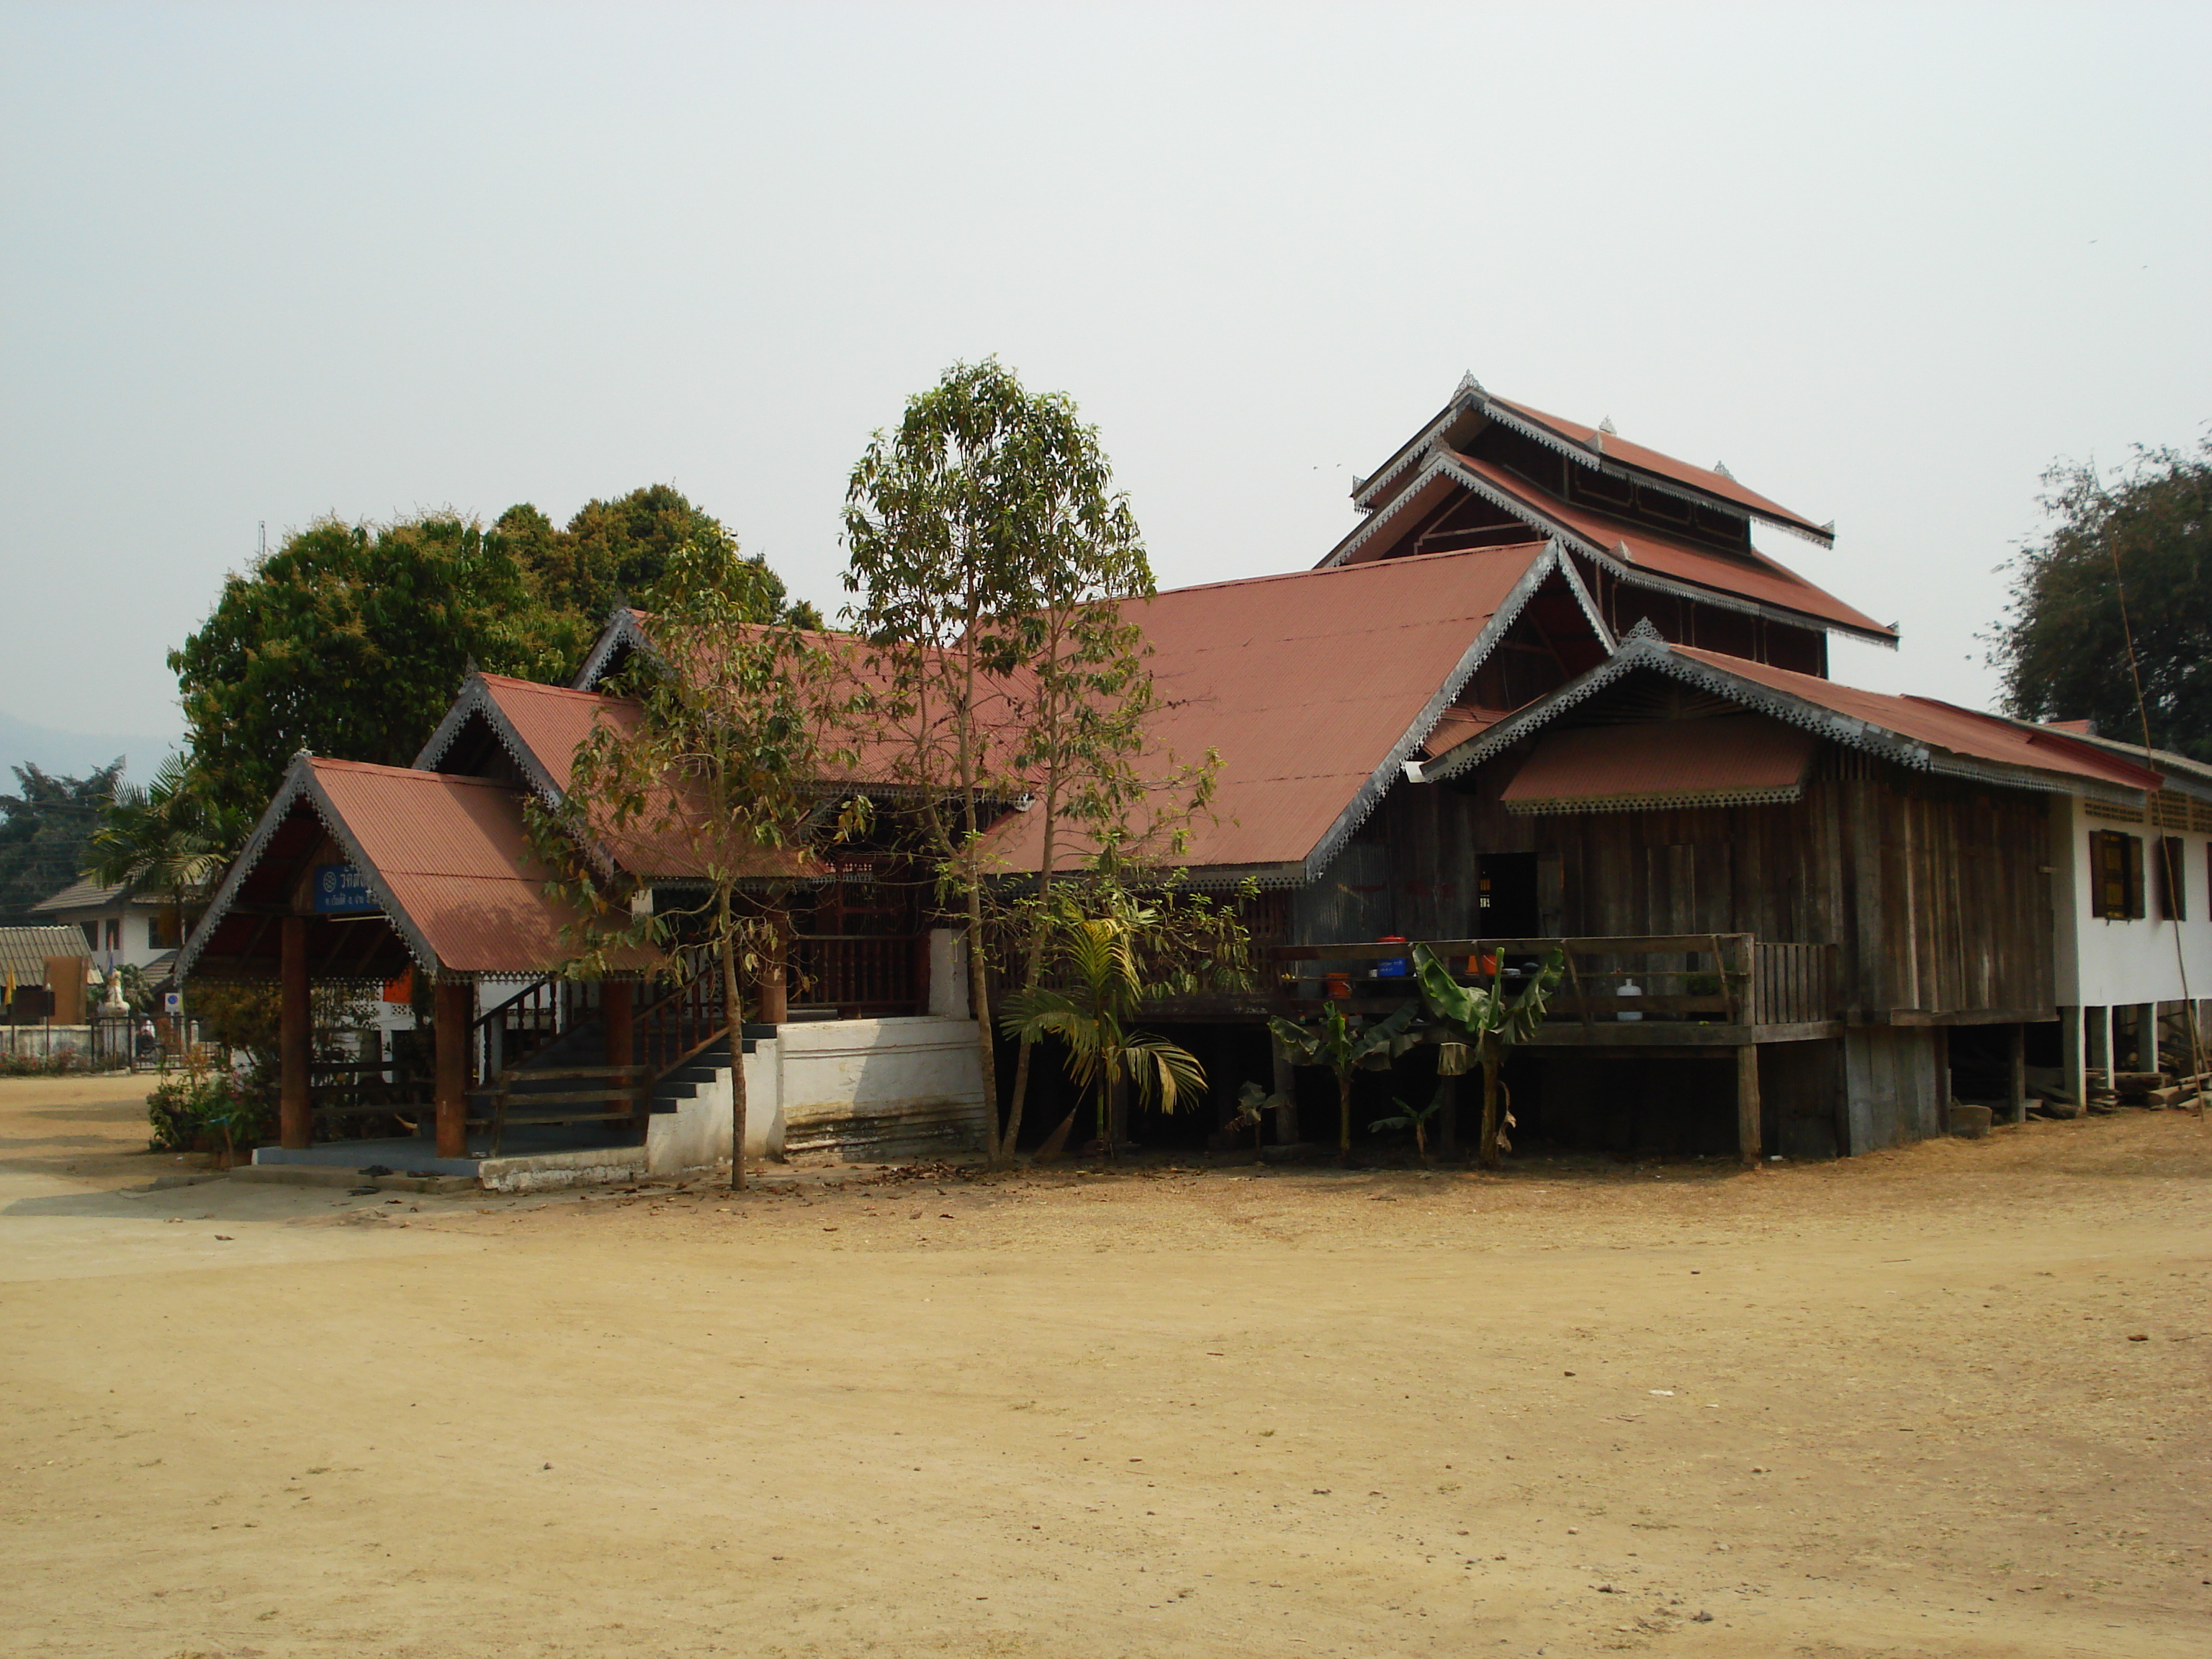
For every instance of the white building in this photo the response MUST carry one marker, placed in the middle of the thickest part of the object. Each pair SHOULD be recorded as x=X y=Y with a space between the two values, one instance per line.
x=121 y=927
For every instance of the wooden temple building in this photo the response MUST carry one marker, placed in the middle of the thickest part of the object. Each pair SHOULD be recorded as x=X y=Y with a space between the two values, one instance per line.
x=1552 y=689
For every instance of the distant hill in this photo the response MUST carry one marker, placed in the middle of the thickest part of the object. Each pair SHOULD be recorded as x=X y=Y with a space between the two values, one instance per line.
x=73 y=754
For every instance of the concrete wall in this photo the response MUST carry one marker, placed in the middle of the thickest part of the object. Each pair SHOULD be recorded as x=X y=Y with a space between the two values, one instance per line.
x=1892 y=1089
x=864 y=1090
x=696 y=1135
x=872 y=1090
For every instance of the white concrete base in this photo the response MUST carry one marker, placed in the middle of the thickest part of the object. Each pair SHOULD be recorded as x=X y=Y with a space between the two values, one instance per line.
x=877 y=1090
x=597 y=1166
x=865 y=1089
x=697 y=1135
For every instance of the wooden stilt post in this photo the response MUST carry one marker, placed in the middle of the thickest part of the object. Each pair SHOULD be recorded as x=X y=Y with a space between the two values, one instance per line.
x=295 y=1036
x=1747 y=1103
x=2074 y=1052
x=617 y=1001
x=1447 y=1117
x=1287 y=1086
x=455 y=1008
x=2018 y=1077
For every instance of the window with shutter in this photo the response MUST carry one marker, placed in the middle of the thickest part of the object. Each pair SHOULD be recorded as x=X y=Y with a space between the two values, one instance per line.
x=2116 y=875
x=2173 y=879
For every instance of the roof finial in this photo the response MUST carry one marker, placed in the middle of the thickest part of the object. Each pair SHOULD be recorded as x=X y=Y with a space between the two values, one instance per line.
x=1721 y=467
x=1606 y=427
x=1645 y=629
x=1468 y=386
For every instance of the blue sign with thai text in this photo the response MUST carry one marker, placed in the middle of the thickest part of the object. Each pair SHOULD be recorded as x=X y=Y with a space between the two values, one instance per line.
x=341 y=889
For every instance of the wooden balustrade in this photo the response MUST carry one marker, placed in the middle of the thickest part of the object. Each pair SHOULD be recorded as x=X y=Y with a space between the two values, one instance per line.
x=1669 y=979
x=859 y=976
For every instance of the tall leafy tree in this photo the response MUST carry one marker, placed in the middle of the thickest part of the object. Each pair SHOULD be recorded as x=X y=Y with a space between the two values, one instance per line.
x=2127 y=560
x=720 y=775
x=45 y=827
x=349 y=640
x=618 y=551
x=990 y=553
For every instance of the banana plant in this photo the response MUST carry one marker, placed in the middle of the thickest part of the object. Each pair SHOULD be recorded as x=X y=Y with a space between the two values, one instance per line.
x=1413 y=1117
x=1253 y=1105
x=1345 y=1046
x=1484 y=1023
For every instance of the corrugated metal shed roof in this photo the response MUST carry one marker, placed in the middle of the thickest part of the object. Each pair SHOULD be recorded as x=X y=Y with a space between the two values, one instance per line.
x=24 y=951
x=1731 y=761
x=448 y=860
x=1943 y=725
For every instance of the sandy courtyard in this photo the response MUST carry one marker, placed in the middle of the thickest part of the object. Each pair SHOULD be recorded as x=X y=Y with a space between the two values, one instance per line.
x=1891 y=1406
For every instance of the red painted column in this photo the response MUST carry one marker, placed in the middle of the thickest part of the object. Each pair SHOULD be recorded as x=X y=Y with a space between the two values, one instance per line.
x=294 y=1039
x=774 y=1004
x=455 y=1008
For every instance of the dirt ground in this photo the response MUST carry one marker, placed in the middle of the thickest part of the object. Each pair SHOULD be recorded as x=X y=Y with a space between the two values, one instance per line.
x=1947 y=1400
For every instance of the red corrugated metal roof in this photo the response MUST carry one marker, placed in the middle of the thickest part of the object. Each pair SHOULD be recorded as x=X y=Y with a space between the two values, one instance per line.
x=1305 y=684
x=1618 y=448
x=1733 y=759
x=1942 y=725
x=1752 y=577
x=553 y=721
x=665 y=842
x=455 y=856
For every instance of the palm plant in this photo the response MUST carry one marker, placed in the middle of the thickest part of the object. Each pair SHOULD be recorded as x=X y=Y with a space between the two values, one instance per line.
x=1101 y=987
x=166 y=835
x=1486 y=1022
x=1345 y=1046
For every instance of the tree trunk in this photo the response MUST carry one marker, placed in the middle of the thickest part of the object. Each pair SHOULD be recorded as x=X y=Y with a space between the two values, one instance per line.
x=1490 y=1057
x=1344 y=1117
x=1002 y=1152
x=734 y=1024
x=979 y=1002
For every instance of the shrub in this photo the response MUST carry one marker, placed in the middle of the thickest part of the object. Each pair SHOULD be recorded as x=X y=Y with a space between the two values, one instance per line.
x=67 y=1063
x=186 y=1107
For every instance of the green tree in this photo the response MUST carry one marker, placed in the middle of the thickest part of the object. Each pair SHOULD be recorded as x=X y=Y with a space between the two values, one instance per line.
x=168 y=837
x=2128 y=559
x=719 y=776
x=1345 y=1046
x=1484 y=1023
x=349 y=640
x=45 y=827
x=1099 y=949
x=991 y=553
x=615 y=552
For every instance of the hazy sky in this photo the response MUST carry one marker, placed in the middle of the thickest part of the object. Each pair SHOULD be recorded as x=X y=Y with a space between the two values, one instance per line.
x=268 y=263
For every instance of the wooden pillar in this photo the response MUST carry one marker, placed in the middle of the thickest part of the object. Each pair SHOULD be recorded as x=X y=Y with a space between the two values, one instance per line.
x=1287 y=1086
x=618 y=999
x=295 y=1039
x=2017 y=1053
x=775 y=996
x=2074 y=1052
x=1447 y=1124
x=1747 y=1103
x=456 y=1008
